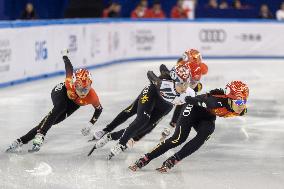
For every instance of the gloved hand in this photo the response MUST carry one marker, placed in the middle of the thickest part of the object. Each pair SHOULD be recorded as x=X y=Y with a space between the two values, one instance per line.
x=64 y=52
x=167 y=131
x=86 y=131
x=130 y=143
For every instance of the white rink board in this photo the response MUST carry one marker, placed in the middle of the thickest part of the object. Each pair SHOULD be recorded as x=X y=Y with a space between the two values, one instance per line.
x=228 y=39
x=35 y=50
x=243 y=153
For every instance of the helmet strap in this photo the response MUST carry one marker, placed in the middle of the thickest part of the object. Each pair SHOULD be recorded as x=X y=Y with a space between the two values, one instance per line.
x=230 y=103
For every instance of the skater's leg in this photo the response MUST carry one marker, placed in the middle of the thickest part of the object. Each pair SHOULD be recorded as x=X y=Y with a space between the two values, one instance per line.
x=31 y=134
x=204 y=131
x=146 y=104
x=117 y=135
x=180 y=135
x=122 y=116
x=159 y=112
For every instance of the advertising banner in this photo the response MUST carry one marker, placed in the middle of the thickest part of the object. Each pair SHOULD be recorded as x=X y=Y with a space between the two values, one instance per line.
x=228 y=39
x=35 y=50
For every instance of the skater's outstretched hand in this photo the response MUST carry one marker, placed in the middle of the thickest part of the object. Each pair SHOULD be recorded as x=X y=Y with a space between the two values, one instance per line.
x=130 y=143
x=86 y=131
x=64 y=52
x=167 y=131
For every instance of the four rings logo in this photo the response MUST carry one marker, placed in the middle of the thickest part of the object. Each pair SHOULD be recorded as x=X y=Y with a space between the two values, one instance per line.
x=212 y=35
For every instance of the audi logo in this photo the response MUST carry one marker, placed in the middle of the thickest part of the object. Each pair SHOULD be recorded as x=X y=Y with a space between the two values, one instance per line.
x=212 y=35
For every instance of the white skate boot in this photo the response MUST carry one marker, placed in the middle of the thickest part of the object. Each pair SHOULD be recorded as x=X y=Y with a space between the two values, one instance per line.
x=117 y=149
x=37 y=142
x=100 y=143
x=103 y=141
x=15 y=146
x=99 y=134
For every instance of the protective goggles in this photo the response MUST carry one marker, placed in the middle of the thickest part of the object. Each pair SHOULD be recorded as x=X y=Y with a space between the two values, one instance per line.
x=82 y=90
x=240 y=102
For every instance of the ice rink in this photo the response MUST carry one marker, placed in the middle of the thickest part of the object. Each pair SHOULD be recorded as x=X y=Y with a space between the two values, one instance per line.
x=243 y=153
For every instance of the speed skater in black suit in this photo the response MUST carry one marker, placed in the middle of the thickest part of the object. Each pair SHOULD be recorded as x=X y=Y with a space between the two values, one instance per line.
x=191 y=56
x=155 y=101
x=200 y=113
x=67 y=97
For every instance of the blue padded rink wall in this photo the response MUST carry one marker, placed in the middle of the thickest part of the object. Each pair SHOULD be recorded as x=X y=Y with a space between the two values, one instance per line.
x=242 y=153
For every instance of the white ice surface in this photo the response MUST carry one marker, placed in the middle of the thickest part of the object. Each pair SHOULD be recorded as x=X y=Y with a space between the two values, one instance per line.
x=243 y=153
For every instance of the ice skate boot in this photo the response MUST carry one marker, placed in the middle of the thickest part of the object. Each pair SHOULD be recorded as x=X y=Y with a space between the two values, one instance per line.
x=117 y=149
x=100 y=143
x=142 y=162
x=98 y=135
x=168 y=164
x=15 y=146
x=37 y=142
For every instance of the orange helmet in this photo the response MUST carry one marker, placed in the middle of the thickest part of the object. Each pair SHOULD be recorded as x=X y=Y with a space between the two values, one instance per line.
x=82 y=80
x=237 y=90
x=204 y=68
x=195 y=71
x=192 y=56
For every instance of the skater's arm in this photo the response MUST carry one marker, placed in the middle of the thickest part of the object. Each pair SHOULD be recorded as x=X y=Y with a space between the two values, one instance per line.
x=204 y=101
x=97 y=105
x=154 y=79
x=98 y=110
x=68 y=67
x=176 y=115
x=165 y=72
x=97 y=113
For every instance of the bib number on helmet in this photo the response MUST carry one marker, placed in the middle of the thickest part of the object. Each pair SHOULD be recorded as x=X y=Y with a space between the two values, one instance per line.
x=187 y=110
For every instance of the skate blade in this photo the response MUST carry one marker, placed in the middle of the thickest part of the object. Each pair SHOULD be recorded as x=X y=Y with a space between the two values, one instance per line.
x=110 y=156
x=93 y=140
x=133 y=168
x=9 y=151
x=36 y=149
x=33 y=151
x=162 y=169
x=92 y=150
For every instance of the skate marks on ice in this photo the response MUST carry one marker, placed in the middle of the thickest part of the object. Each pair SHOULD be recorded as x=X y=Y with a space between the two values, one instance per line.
x=42 y=169
x=36 y=168
x=23 y=171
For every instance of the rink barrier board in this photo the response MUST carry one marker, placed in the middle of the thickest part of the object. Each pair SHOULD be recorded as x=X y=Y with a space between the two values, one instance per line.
x=59 y=73
x=95 y=29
